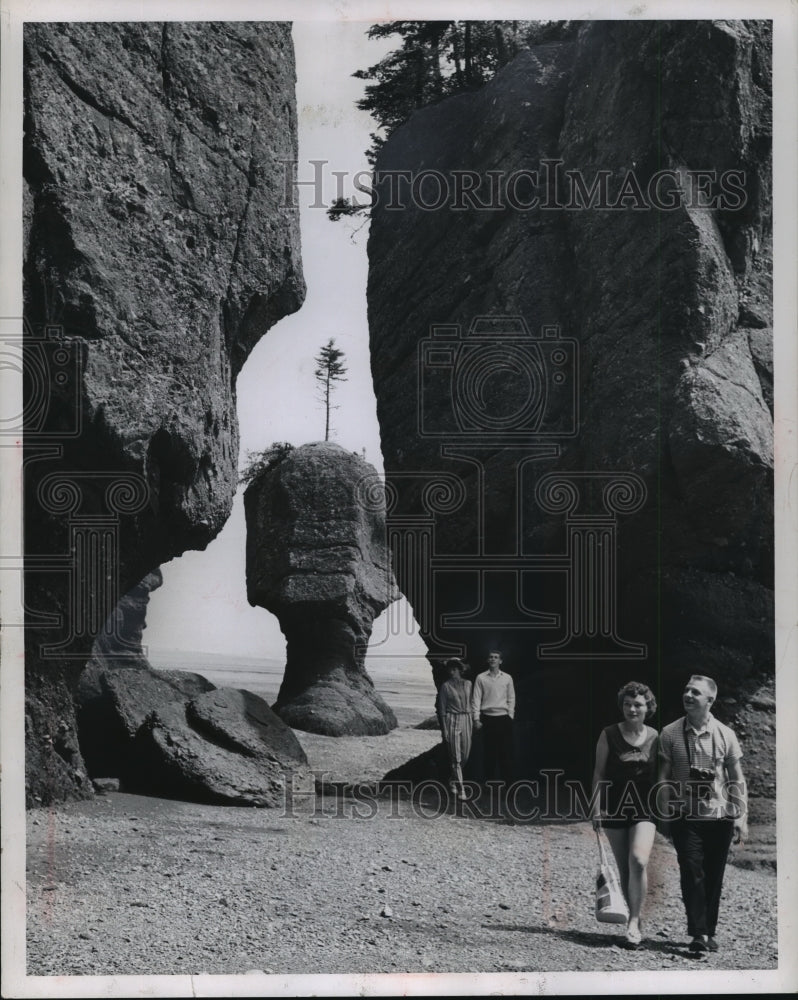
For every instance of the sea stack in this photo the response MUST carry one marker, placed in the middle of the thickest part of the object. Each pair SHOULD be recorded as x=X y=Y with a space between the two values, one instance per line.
x=317 y=558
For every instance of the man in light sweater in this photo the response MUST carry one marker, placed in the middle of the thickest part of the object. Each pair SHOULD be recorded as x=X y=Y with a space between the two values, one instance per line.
x=492 y=710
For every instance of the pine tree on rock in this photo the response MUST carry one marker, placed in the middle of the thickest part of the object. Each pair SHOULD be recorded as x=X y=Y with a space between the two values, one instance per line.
x=330 y=368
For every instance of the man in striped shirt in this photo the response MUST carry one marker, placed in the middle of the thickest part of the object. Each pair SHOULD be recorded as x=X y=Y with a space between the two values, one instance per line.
x=700 y=757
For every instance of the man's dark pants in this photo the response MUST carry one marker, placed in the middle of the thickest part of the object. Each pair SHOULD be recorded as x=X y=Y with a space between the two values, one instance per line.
x=702 y=846
x=497 y=742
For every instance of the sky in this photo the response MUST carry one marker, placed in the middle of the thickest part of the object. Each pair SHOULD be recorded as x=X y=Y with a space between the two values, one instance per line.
x=202 y=604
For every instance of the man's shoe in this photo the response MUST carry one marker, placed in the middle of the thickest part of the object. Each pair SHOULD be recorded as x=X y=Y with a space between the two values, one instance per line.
x=698 y=946
x=712 y=944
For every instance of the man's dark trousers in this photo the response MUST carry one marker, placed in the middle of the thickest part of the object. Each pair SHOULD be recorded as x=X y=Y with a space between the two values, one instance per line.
x=702 y=846
x=497 y=742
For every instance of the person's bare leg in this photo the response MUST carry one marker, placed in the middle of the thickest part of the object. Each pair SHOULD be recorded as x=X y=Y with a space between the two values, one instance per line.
x=641 y=840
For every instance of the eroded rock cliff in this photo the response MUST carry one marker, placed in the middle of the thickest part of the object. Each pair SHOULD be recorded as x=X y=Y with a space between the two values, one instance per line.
x=317 y=558
x=157 y=252
x=605 y=472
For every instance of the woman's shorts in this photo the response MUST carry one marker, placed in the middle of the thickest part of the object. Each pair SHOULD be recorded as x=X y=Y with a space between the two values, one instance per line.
x=625 y=823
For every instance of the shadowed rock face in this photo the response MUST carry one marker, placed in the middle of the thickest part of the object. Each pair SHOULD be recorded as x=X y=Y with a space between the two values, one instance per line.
x=317 y=558
x=156 y=247
x=664 y=361
x=121 y=643
x=107 y=723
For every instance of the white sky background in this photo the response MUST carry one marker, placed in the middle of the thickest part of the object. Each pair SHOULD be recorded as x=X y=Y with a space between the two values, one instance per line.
x=203 y=602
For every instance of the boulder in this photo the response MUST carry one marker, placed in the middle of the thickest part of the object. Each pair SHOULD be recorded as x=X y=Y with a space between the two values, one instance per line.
x=630 y=391
x=102 y=786
x=156 y=253
x=113 y=703
x=317 y=558
x=172 y=733
x=224 y=747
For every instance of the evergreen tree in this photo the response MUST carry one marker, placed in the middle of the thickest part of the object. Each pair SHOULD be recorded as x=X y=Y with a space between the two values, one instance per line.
x=434 y=60
x=439 y=58
x=330 y=368
x=408 y=77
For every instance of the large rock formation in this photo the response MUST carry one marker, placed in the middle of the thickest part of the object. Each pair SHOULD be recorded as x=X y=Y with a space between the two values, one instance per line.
x=157 y=252
x=172 y=732
x=106 y=724
x=114 y=702
x=120 y=643
x=225 y=747
x=605 y=488
x=317 y=558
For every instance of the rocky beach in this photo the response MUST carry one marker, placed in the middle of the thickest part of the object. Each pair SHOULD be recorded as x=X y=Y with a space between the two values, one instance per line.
x=343 y=880
x=128 y=885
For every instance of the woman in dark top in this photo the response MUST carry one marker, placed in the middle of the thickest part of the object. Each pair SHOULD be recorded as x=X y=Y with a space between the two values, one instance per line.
x=626 y=757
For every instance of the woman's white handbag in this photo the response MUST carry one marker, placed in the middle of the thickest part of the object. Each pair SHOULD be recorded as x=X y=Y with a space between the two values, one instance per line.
x=611 y=906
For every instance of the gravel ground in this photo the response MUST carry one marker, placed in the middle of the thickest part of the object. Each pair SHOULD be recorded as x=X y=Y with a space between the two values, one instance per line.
x=135 y=885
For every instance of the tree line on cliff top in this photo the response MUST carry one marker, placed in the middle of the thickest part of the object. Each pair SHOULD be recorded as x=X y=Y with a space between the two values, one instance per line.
x=435 y=59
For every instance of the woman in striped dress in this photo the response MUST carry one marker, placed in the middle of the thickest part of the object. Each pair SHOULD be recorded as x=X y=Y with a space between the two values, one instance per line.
x=454 y=715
